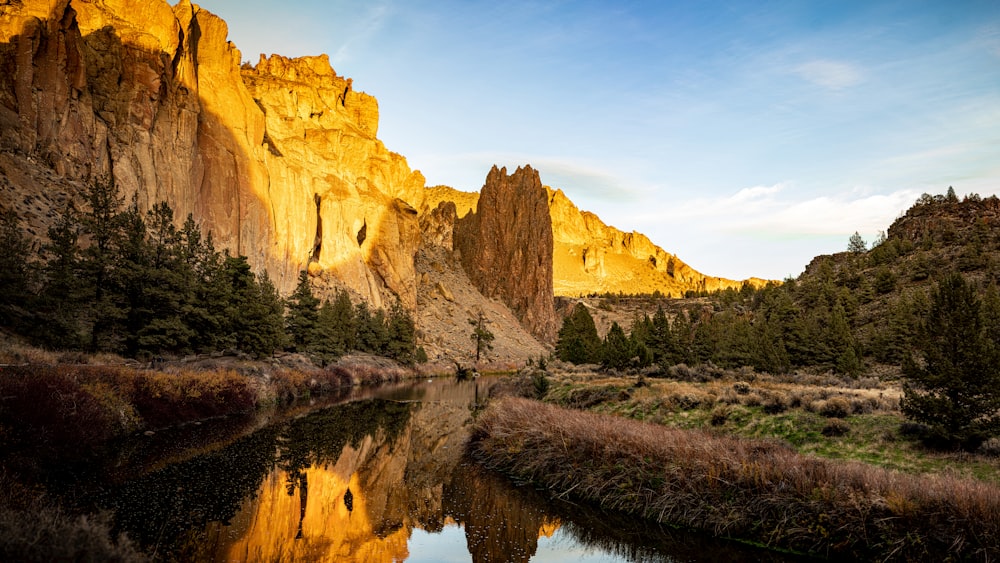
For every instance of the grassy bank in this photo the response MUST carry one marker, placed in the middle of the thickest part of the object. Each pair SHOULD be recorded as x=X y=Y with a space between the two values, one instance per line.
x=756 y=490
x=824 y=415
x=66 y=407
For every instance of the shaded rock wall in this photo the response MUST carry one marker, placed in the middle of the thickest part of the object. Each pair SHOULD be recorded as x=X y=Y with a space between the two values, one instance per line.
x=506 y=247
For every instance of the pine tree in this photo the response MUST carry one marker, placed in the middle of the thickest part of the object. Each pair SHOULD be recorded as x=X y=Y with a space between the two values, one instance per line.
x=102 y=225
x=302 y=317
x=402 y=335
x=170 y=287
x=617 y=351
x=335 y=329
x=372 y=334
x=15 y=268
x=481 y=336
x=60 y=298
x=953 y=385
x=856 y=244
x=578 y=341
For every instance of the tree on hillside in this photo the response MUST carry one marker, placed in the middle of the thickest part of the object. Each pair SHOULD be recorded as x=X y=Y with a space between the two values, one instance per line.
x=856 y=244
x=102 y=224
x=481 y=336
x=617 y=351
x=15 y=272
x=953 y=385
x=402 y=335
x=578 y=341
x=302 y=317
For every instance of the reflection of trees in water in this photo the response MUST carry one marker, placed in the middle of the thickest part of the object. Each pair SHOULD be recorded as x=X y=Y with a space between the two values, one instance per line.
x=426 y=486
x=160 y=508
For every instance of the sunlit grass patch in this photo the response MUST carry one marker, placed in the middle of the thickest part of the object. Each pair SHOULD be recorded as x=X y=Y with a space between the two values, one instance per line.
x=756 y=489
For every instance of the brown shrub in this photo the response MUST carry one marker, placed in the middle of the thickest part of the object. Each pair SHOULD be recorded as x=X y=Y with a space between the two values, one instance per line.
x=49 y=406
x=720 y=414
x=756 y=490
x=836 y=427
x=837 y=407
x=775 y=403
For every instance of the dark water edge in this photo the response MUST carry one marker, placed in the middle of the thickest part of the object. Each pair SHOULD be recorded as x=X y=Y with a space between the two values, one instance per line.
x=198 y=492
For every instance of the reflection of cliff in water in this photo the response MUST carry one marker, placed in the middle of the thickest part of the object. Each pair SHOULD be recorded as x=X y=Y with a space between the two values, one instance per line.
x=352 y=482
x=363 y=504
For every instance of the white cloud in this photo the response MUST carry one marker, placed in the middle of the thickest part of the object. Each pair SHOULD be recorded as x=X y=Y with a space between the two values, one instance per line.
x=833 y=75
x=761 y=211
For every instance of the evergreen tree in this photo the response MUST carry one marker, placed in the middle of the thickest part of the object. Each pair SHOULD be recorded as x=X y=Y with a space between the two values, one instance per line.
x=617 y=351
x=302 y=317
x=15 y=270
x=335 y=329
x=170 y=286
x=59 y=301
x=372 y=334
x=578 y=340
x=856 y=244
x=102 y=225
x=953 y=386
x=481 y=336
x=402 y=335
x=661 y=340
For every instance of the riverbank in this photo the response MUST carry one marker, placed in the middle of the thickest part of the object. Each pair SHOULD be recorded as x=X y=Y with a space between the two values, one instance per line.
x=754 y=490
x=70 y=406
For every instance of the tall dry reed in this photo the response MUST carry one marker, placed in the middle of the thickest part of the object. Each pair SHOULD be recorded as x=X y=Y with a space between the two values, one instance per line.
x=749 y=489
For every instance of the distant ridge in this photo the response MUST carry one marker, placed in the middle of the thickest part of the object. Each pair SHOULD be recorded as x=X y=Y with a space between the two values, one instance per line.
x=591 y=257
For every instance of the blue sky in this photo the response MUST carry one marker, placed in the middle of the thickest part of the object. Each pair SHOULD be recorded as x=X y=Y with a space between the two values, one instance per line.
x=745 y=137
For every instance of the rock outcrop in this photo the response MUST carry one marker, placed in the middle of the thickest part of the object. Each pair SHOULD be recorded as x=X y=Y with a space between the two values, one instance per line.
x=592 y=257
x=506 y=247
x=279 y=161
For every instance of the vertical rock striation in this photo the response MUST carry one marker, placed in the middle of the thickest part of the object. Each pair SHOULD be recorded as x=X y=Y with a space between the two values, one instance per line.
x=506 y=247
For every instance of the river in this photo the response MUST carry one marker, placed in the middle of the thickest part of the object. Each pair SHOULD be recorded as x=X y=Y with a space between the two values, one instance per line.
x=377 y=475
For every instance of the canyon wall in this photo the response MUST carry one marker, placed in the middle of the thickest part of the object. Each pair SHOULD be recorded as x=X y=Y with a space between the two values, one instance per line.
x=280 y=161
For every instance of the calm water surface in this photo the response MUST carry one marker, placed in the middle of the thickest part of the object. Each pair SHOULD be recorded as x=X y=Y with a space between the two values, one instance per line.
x=373 y=478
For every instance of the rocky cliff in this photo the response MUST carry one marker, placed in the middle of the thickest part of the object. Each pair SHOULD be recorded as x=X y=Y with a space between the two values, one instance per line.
x=590 y=256
x=280 y=161
x=506 y=247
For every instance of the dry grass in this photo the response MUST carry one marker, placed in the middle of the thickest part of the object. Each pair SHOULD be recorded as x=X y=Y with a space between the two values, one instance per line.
x=752 y=489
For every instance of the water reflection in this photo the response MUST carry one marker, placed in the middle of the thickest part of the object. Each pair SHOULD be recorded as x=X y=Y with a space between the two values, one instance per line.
x=357 y=482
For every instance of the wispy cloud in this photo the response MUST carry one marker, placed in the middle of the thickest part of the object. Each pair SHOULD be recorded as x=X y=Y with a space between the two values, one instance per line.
x=582 y=180
x=830 y=74
x=370 y=24
x=773 y=212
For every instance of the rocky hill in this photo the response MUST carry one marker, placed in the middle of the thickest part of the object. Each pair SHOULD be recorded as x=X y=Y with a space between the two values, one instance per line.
x=591 y=257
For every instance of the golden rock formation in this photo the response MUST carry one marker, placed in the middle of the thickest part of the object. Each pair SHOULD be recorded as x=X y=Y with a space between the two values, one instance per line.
x=592 y=257
x=279 y=161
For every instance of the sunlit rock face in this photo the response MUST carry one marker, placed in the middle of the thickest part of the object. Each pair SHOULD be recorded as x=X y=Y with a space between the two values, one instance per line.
x=590 y=256
x=279 y=161
x=506 y=247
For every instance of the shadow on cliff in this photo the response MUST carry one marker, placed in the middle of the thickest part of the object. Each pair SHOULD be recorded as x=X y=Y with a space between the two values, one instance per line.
x=180 y=127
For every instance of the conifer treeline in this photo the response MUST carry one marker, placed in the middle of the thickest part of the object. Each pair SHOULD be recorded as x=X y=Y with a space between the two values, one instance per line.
x=114 y=279
x=772 y=329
